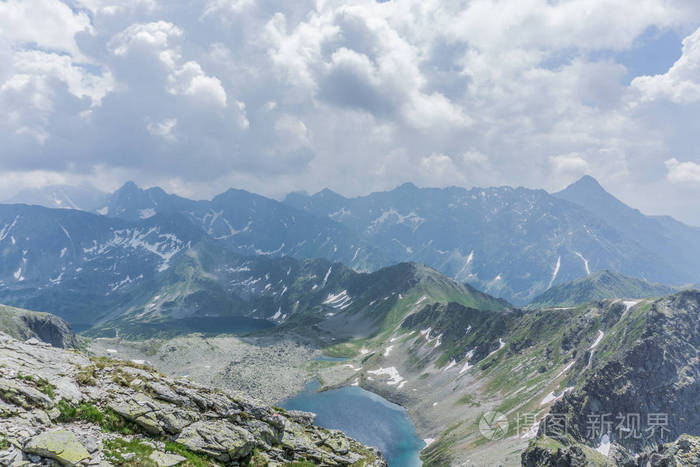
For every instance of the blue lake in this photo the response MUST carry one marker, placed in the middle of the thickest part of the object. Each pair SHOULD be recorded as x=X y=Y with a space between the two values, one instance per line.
x=366 y=417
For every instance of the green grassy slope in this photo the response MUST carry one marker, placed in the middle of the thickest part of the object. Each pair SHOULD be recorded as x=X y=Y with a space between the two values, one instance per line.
x=598 y=286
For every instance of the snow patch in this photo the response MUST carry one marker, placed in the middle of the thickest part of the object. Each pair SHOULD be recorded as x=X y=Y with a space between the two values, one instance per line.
x=278 y=314
x=566 y=368
x=532 y=431
x=388 y=350
x=163 y=245
x=551 y=397
x=340 y=300
x=146 y=213
x=501 y=344
x=391 y=215
x=556 y=272
x=585 y=262
x=270 y=252
x=325 y=278
x=466 y=364
x=392 y=373
x=601 y=334
x=604 y=446
x=628 y=305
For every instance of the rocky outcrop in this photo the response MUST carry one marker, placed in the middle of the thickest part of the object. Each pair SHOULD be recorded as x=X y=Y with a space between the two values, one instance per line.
x=684 y=451
x=546 y=452
x=648 y=368
x=74 y=410
x=24 y=324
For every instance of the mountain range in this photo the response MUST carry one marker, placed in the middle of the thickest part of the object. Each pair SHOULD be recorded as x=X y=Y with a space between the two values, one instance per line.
x=387 y=281
x=513 y=243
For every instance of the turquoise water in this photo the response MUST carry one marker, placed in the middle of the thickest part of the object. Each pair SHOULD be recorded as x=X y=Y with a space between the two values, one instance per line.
x=366 y=417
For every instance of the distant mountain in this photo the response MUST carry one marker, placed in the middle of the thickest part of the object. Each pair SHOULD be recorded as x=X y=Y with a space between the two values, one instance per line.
x=510 y=242
x=82 y=197
x=316 y=298
x=164 y=274
x=78 y=265
x=598 y=286
x=677 y=243
x=513 y=243
x=250 y=224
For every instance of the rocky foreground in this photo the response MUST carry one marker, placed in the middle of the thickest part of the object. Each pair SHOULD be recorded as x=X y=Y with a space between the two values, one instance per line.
x=61 y=407
x=684 y=452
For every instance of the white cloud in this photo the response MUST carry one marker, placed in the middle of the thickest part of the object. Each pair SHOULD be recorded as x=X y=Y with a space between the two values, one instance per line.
x=187 y=79
x=49 y=24
x=569 y=163
x=547 y=25
x=79 y=81
x=681 y=83
x=219 y=7
x=359 y=95
x=156 y=35
x=679 y=172
x=190 y=80
x=112 y=7
x=352 y=57
x=163 y=129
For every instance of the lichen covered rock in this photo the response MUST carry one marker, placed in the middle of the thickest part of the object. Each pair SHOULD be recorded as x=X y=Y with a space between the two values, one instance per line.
x=64 y=406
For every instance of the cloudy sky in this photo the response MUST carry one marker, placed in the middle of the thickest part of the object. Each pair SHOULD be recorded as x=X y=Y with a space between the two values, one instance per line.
x=359 y=96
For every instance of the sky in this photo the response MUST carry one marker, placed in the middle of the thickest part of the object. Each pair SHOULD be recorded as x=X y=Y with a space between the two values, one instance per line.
x=357 y=96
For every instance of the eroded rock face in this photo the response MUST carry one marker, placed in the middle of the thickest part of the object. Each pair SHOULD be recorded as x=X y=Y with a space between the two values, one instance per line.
x=44 y=327
x=64 y=406
x=545 y=452
x=684 y=451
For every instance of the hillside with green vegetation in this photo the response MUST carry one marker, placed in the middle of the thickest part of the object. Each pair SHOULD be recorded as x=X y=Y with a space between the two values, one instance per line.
x=450 y=365
x=598 y=286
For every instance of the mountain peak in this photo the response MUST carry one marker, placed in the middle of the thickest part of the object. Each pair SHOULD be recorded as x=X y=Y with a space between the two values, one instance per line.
x=129 y=187
x=587 y=192
x=586 y=182
x=407 y=186
x=327 y=192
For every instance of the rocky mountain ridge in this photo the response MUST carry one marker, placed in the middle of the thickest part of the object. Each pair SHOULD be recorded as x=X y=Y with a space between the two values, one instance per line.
x=513 y=243
x=62 y=406
x=599 y=286
x=451 y=365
